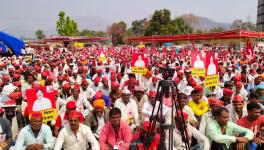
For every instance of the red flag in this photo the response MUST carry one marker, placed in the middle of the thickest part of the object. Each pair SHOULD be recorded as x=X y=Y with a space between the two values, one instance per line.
x=249 y=49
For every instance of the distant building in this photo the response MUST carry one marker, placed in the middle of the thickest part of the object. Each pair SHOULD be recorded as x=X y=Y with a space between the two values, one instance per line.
x=260 y=16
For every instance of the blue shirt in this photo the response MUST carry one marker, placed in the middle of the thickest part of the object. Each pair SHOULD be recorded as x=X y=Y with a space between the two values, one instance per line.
x=27 y=137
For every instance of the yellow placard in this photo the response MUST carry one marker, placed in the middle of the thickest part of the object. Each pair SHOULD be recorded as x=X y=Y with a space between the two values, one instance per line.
x=49 y=114
x=78 y=45
x=210 y=81
x=198 y=72
x=139 y=70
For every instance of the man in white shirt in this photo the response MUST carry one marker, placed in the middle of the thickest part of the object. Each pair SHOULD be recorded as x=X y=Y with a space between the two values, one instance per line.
x=148 y=106
x=129 y=109
x=83 y=105
x=87 y=91
x=76 y=136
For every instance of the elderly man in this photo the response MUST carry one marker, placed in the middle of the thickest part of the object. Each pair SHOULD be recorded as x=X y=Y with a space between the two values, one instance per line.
x=129 y=109
x=98 y=117
x=115 y=134
x=225 y=134
x=76 y=136
x=36 y=135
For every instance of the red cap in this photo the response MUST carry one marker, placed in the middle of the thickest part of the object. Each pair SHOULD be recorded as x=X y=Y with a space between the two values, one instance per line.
x=71 y=105
x=238 y=98
x=146 y=126
x=76 y=87
x=99 y=70
x=215 y=102
x=84 y=82
x=50 y=78
x=179 y=73
x=74 y=114
x=98 y=95
x=187 y=69
x=60 y=78
x=155 y=79
x=177 y=80
x=237 y=78
x=5 y=78
x=15 y=95
x=66 y=86
x=105 y=79
x=198 y=87
x=97 y=80
x=239 y=84
x=44 y=73
x=152 y=93
x=192 y=83
x=227 y=91
x=115 y=84
x=16 y=76
x=36 y=115
x=17 y=84
x=9 y=103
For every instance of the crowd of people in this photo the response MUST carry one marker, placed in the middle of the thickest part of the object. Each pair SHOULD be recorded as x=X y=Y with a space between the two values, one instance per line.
x=104 y=105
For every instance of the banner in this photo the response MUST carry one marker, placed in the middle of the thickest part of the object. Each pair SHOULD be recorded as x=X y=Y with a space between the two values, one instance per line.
x=211 y=64
x=139 y=70
x=43 y=100
x=198 y=63
x=139 y=60
x=210 y=81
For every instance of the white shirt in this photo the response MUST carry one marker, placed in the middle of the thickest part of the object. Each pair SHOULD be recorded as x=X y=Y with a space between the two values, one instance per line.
x=206 y=118
x=128 y=110
x=42 y=104
x=68 y=141
x=101 y=123
x=147 y=110
x=233 y=115
x=178 y=144
x=89 y=93
x=81 y=103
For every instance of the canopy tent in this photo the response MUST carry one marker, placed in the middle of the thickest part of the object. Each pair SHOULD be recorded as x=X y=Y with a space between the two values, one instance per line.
x=12 y=42
x=234 y=34
x=76 y=39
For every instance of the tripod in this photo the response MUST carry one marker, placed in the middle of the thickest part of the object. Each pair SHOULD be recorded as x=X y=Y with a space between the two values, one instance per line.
x=163 y=87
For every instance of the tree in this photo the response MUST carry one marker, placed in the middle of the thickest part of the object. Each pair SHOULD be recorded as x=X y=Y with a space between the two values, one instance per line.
x=161 y=24
x=39 y=34
x=239 y=24
x=217 y=29
x=66 y=26
x=118 y=33
x=92 y=33
x=139 y=26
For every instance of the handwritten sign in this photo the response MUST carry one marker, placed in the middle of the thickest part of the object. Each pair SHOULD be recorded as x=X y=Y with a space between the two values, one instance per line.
x=49 y=115
x=139 y=70
x=198 y=72
x=211 y=81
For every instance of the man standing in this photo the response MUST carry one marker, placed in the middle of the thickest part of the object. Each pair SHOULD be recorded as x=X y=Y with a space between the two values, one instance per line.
x=115 y=134
x=36 y=135
x=76 y=136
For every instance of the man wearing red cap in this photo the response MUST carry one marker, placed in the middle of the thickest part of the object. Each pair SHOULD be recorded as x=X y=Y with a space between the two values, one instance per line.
x=227 y=95
x=179 y=143
x=82 y=103
x=36 y=135
x=96 y=84
x=86 y=90
x=148 y=106
x=208 y=117
x=142 y=139
x=116 y=134
x=76 y=136
x=240 y=90
x=105 y=88
x=98 y=117
x=153 y=85
x=238 y=110
x=115 y=93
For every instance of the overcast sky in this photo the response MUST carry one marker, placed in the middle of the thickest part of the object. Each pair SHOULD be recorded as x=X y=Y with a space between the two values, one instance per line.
x=29 y=15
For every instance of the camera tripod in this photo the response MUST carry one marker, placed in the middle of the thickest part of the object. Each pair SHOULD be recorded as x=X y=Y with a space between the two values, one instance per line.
x=163 y=87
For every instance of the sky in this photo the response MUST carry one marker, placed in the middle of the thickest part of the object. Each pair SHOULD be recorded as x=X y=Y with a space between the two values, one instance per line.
x=21 y=17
